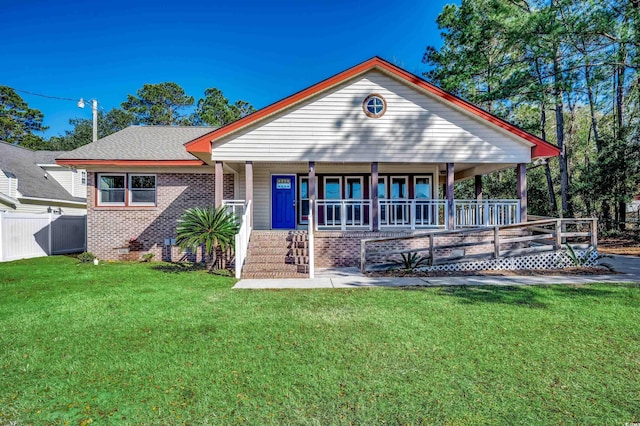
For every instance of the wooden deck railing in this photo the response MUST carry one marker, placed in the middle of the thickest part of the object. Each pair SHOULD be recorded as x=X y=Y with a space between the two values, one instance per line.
x=528 y=238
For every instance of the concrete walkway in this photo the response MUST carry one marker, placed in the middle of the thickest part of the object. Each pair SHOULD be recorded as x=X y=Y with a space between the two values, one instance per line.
x=628 y=266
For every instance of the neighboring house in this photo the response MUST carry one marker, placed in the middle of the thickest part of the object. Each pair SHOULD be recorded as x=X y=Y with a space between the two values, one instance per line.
x=32 y=182
x=367 y=147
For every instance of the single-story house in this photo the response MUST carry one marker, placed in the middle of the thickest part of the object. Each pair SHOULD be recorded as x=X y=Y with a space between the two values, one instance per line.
x=32 y=182
x=367 y=149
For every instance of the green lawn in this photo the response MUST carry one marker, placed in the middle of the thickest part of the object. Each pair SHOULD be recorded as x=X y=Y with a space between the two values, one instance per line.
x=141 y=343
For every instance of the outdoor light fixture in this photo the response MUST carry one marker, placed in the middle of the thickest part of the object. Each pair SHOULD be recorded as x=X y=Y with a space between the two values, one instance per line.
x=94 y=111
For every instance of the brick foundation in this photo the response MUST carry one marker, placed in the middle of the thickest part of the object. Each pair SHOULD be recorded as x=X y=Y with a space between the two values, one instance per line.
x=342 y=249
x=127 y=233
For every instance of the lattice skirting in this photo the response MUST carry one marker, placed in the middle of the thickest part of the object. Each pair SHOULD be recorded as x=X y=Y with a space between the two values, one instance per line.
x=551 y=260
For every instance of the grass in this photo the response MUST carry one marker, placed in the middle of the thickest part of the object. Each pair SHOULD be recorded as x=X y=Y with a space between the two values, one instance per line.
x=149 y=343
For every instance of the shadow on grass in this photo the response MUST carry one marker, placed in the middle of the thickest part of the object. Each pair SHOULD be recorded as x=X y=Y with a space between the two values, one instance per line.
x=530 y=297
x=176 y=268
x=519 y=296
x=182 y=267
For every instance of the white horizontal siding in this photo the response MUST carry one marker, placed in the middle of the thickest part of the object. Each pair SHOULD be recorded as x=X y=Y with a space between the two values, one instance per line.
x=62 y=175
x=416 y=127
x=79 y=189
x=8 y=186
x=43 y=208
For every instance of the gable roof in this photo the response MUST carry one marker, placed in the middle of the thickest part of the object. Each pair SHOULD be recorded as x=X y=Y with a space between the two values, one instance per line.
x=33 y=181
x=139 y=145
x=202 y=144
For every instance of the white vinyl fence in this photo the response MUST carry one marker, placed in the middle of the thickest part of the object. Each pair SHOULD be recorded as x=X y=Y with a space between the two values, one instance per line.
x=24 y=235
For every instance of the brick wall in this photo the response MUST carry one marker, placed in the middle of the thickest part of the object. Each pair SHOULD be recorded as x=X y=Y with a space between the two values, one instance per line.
x=342 y=249
x=112 y=231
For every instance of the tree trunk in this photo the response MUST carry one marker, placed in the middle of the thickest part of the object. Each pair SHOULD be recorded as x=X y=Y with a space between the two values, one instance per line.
x=543 y=134
x=558 y=93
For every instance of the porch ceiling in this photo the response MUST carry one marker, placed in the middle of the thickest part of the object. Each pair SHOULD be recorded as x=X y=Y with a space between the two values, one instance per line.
x=463 y=171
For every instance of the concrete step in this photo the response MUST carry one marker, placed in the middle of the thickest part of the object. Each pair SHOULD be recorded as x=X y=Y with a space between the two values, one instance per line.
x=277 y=259
x=273 y=275
x=263 y=267
x=277 y=254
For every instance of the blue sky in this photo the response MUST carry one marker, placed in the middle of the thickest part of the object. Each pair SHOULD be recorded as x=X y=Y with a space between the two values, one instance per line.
x=257 y=51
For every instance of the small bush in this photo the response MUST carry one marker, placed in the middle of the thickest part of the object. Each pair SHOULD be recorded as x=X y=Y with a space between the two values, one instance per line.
x=411 y=261
x=147 y=257
x=86 y=257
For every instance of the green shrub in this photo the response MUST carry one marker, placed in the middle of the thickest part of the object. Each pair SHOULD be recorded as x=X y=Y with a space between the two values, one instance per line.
x=147 y=257
x=411 y=261
x=86 y=257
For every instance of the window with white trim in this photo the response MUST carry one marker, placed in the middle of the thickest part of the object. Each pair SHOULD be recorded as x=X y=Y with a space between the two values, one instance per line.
x=111 y=189
x=422 y=187
x=83 y=177
x=142 y=190
x=122 y=189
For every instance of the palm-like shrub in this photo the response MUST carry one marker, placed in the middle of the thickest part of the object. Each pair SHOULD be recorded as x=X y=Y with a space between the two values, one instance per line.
x=209 y=227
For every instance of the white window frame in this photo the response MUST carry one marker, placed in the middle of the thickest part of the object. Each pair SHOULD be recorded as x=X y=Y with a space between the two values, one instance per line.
x=324 y=187
x=390 y=190
x=346 y=187
x=99 y=201
x=386 y=188
x=302 y=221
x=415 y=183
x=83 y=177
x=130 y=190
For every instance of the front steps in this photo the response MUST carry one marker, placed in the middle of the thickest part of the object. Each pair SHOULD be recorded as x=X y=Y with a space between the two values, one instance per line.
x=277 y=254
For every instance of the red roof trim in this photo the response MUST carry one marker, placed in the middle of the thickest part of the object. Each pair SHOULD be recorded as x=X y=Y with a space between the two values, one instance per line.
x=144 y=163
x=203 y=143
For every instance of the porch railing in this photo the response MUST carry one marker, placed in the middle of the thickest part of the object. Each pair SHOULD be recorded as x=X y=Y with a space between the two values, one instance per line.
x=242 y=238
x=473 y=213
x=343 y=214
x=237 y=207
x=416 y=213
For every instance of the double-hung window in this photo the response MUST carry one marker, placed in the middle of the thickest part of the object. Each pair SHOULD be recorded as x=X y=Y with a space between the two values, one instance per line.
x=142 y=190
x=111 y=189
x=122 y=189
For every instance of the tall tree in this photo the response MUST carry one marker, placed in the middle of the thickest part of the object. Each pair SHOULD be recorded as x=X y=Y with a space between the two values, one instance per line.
x=159 y=104
x=215 y=110
x=577 y=62
x=18 y=122
x=82 y=132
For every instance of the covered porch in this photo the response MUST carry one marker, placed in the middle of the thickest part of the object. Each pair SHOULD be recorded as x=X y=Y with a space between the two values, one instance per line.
x=366 y=196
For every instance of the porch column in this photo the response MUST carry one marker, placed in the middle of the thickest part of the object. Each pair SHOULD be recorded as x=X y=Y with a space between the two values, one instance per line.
x=478 y=185
x=218 y=188
x=248 y=182
x=375 y=218
x=479 y=217
x=451 y=223
x=312 y=193
x=521 y=171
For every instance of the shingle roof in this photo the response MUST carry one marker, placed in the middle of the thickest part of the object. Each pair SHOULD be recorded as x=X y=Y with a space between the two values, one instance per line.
x=141 y=143
x=23 y=163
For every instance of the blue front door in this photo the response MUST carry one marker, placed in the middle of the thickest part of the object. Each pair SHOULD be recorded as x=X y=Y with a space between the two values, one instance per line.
x=283 y=206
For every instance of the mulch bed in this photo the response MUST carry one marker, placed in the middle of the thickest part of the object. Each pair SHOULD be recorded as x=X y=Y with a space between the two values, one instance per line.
x=503 y=273
x=627 y=243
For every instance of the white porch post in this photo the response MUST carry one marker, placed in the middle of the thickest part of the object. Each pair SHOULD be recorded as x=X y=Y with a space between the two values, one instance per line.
x=248 y=182
x=218 y=187
x=375 y=218
x=521 y=170
x=451 y=222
